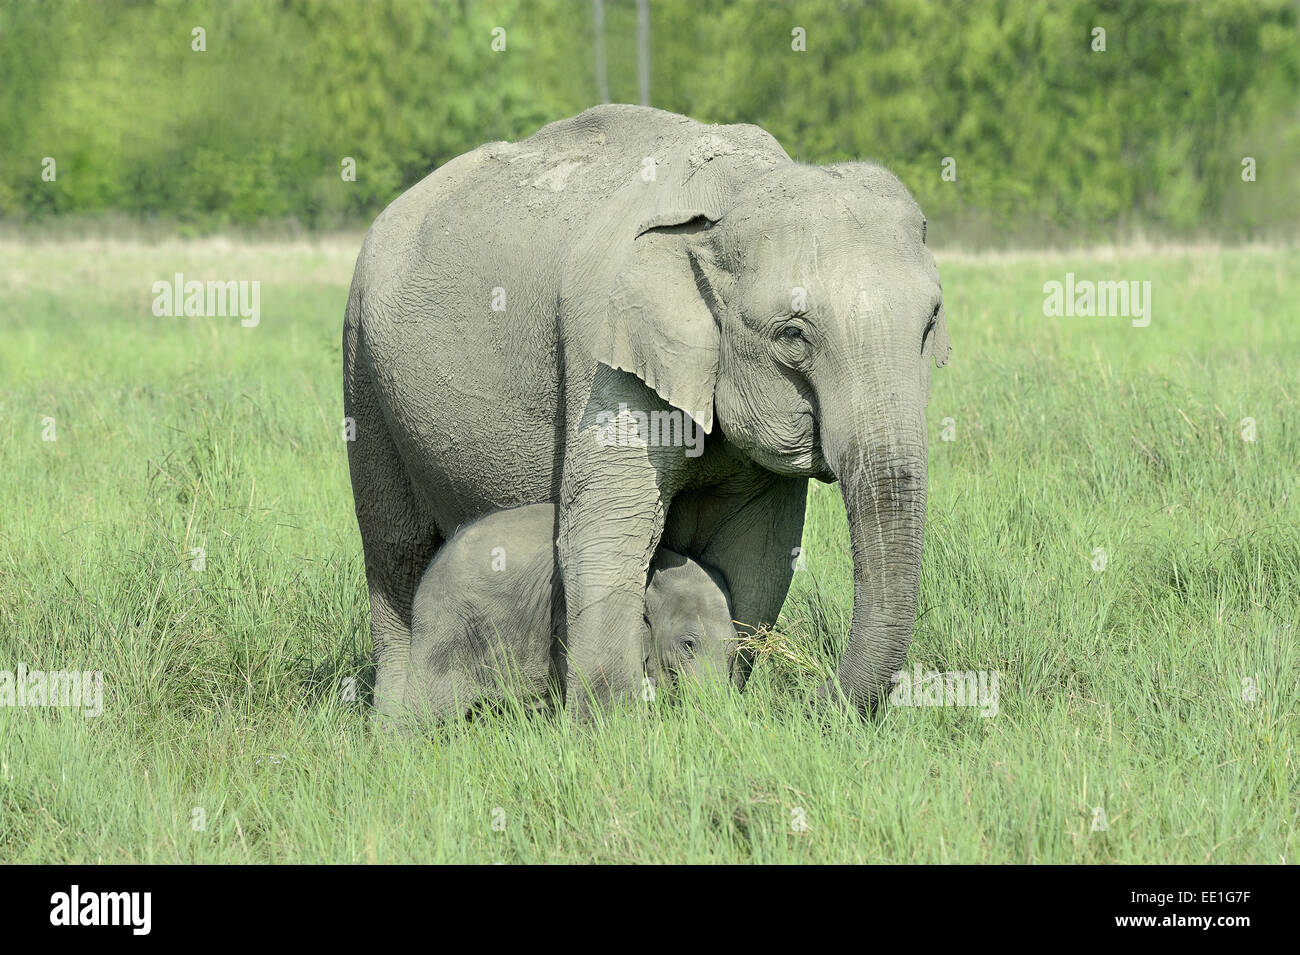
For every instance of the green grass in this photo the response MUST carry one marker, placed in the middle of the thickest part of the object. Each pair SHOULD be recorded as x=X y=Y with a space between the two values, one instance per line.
x=1121 y=690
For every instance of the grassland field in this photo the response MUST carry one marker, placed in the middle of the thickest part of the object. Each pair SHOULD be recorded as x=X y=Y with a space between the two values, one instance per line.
x=1147 y=711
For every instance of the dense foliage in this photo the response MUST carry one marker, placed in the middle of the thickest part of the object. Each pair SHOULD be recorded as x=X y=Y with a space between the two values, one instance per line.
x=1043 y=129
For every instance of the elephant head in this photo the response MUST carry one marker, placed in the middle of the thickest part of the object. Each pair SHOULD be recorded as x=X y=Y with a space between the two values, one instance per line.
x=691 y=635
x=796 y=309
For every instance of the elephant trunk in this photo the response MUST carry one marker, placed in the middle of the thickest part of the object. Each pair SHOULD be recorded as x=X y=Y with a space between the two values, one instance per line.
x=882 y=475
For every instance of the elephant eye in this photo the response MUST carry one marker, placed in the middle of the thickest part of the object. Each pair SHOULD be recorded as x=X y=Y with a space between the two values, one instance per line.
x=792 y=347
x=689 y=644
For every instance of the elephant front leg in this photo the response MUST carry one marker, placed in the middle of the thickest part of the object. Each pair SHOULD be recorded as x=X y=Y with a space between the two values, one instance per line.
x=613 y=500
x=605 y=555
x=610 y=522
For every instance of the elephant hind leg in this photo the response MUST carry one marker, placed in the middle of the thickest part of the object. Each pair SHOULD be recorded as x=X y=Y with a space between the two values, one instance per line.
x=398 y=539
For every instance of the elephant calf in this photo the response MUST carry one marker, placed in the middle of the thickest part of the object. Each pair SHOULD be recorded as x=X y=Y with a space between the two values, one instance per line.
x=488 y=619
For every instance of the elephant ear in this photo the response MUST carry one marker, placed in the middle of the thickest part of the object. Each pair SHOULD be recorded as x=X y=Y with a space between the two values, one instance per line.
x=640 y=282
x=939 y=345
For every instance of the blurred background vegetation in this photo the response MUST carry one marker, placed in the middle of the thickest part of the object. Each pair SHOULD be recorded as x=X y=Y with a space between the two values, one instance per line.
x=1051 y=140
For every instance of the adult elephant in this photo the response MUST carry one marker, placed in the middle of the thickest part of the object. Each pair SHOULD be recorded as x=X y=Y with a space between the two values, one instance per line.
x=628 y=261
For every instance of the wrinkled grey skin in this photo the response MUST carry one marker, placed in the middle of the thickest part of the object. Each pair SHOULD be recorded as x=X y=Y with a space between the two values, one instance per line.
x=488 y=619
x=646 y=259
